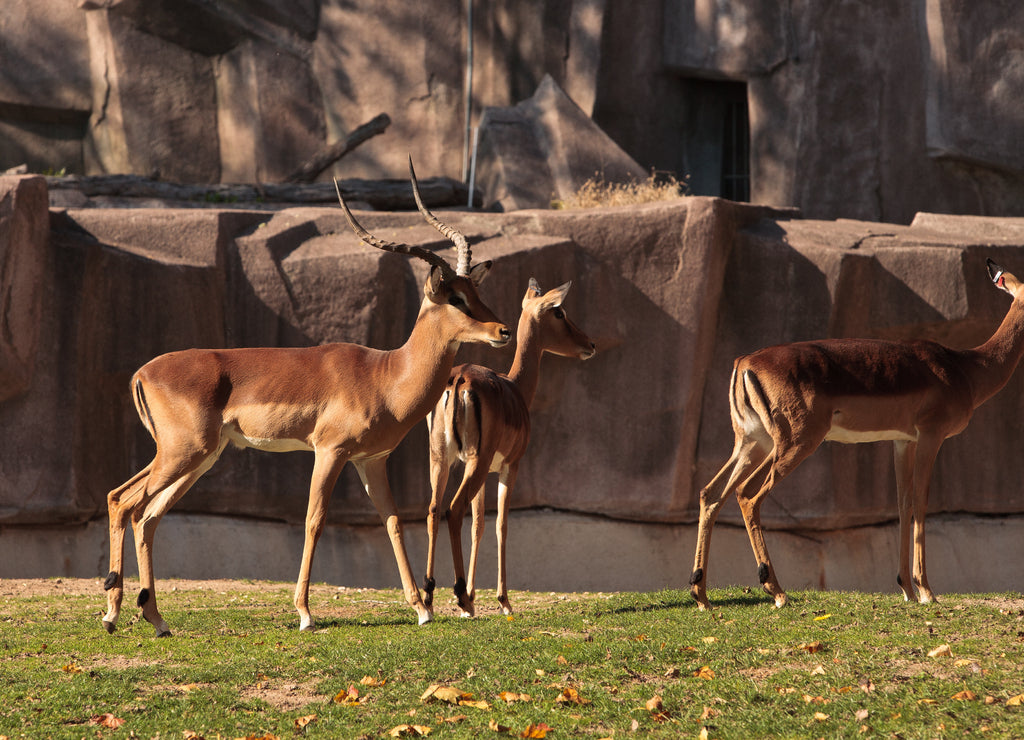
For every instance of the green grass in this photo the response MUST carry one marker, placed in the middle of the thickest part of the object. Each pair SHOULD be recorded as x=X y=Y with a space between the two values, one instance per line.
x=828 y=665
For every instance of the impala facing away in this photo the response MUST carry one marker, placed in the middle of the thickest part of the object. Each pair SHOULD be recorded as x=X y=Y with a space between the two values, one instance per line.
x=786 y=400
x=483 y=419
x=342 y=401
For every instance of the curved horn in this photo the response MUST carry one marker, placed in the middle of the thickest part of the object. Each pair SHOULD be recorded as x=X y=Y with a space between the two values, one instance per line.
x=424 y=254
x=449 y=232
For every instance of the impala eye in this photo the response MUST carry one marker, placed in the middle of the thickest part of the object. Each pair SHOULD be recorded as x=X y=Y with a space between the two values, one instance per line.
x=559 y=314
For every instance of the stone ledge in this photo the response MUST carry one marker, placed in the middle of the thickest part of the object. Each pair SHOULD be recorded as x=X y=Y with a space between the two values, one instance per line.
x=548 y=551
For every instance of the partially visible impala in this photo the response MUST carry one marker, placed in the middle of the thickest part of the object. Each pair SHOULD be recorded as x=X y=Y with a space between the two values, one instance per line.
x=786 y=400
x=344 y=402
x=483 y=419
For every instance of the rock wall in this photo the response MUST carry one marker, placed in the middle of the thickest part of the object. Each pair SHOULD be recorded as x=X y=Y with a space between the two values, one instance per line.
x=670 y=292
x=869 y=110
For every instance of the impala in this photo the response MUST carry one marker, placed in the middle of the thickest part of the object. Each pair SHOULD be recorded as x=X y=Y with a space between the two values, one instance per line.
x=786 y=400
x=344 y=402
x=483 y=419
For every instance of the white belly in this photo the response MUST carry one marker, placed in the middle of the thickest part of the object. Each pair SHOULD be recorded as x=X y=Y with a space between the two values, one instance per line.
x=847 y=436
x=267 y=445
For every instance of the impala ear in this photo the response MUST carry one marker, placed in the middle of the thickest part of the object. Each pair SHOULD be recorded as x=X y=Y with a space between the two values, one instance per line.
x=479 y=271
x=434 y=280
x=555 y=296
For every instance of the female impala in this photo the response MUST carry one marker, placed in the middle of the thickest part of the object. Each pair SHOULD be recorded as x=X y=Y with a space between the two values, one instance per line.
x=483 y=419
x=342 y=401
x=786 y=400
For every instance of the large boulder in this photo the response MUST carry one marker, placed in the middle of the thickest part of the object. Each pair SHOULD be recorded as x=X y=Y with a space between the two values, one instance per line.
x=543 y=149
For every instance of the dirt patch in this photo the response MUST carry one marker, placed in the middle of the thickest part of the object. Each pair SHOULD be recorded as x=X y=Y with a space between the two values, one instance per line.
x=284 y=696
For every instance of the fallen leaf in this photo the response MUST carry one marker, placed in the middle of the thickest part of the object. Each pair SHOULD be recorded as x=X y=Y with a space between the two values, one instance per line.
x=1015 y=701
x=927 y=701
x=409 y=731
x=808 y=699
x=537 y=730
x=569 y=695
x=350 y=697
x=71 y=668
x=654 y=704
x=709 y=639
x=106 y=720
x=672 y=672
x=705 y=672
x=989 y=699
x=448 y=694
x=478 y=704
x=820 y=716
x=539 y=671
x=703 y=734
x=787 y=690
x=454 y=719
x=823 y=616
x=940 y=651
x=561 y=660
x=811 y=647
x=371 y=681
x=634 y=726
x=866 y=685
x=493 y=724
x=860 y=715
x=709 y=713
x=819 y=670
x=301 y=722
x=965 y=695
x=510 y=697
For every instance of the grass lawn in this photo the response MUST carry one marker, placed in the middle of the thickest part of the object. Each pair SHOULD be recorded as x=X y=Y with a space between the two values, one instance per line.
x=831 y=664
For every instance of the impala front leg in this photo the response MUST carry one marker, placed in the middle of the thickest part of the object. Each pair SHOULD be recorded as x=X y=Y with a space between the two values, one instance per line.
x=326 y=468
x=374 y=476
x=506 y=481
x=924 y=460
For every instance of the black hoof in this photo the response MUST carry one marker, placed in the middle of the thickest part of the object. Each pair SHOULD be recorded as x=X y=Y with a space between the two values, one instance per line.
x=109 y=627
x=165 y=633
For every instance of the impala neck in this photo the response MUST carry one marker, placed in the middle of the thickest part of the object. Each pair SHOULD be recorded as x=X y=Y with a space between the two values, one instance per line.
x=420 y=367
x=997 y=358
x=525 y=372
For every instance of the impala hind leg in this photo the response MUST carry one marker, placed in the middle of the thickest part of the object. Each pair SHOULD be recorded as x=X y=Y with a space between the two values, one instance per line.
x=374 y=475
x=746 y=455
x=903 y=457
x=120 y=503
x=477 y=534
x=506 y=481
x=783 y=460
x=473 y=480
x=439 y=470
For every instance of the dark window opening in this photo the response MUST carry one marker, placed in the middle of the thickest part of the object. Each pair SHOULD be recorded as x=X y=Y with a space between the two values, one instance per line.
x=716 y=138
x=736 y=151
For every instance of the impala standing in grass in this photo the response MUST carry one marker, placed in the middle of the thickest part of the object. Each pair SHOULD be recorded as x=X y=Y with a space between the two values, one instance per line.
x=344 y=402
x=786 y=400
x=483 y=419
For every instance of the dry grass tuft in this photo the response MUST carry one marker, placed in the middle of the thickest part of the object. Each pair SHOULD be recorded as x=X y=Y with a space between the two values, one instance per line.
x=596 y=193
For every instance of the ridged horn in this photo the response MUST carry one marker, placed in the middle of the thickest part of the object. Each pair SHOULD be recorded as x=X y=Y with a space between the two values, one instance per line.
x=449 y=232
x=424 y=254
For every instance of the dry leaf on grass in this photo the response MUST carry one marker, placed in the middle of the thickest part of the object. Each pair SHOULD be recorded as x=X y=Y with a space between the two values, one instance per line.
x=350 y=697
x=301 y=722
x=965 y=695
x=569 y=695
x=371 y=681
x=536 y=730
x=705 y=672
x=940 y=651
x=448 y=694
x=510 y=697
x=811 y=647
x=1015 y=701
x=106 y=720
x=409 y=731
x=493 y=725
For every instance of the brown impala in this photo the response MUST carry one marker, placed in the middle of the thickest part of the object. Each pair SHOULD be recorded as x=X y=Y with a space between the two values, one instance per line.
x=343 y=402
x=483 y=419
x=786 y=400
